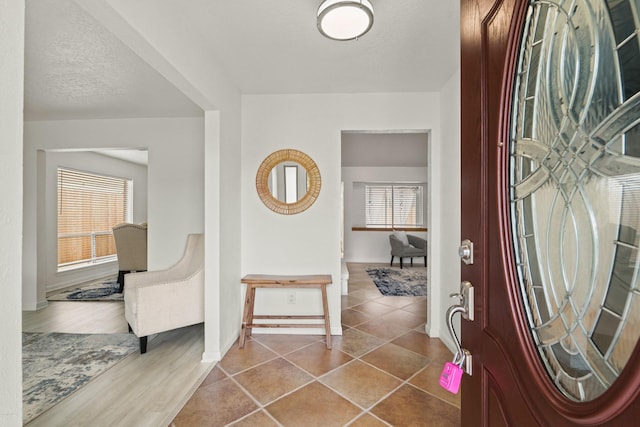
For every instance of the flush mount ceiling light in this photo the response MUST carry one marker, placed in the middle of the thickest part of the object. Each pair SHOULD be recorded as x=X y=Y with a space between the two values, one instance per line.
x=345 y=19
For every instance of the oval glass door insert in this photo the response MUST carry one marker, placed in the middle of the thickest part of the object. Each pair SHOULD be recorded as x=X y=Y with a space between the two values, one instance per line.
x=575 y=188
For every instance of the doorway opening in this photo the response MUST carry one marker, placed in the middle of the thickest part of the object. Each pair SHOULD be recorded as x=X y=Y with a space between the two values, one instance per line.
x=372 y=162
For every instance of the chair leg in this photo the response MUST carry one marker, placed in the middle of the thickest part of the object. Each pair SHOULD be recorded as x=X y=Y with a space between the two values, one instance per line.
x=143 y=345
x=425 y=260
x=400 y=263
x=391 y=263
x=121 y=274
x=411 y=261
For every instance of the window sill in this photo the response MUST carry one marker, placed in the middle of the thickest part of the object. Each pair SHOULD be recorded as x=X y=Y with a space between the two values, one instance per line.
x=87 y=264
x=389 y=229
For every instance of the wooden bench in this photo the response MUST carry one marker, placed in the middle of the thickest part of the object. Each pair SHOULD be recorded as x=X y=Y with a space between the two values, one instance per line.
x=254 y=281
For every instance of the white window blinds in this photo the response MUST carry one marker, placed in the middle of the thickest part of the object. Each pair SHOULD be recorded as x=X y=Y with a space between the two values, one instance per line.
x=89 y=205
x=394 y=205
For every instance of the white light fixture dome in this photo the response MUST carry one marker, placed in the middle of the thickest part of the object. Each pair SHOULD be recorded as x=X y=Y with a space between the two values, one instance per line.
x=345 y=19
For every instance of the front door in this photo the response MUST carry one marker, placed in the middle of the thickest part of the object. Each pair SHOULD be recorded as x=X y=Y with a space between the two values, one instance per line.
x=551 y=200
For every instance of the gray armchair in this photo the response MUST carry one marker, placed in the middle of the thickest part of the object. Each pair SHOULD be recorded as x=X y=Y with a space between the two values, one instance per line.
x=417 y=247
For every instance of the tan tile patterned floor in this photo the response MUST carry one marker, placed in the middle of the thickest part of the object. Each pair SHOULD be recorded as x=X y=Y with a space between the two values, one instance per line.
x=383 y=371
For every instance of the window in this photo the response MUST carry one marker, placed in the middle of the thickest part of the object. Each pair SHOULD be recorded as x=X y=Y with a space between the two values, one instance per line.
x=394 y=205
x=89 y=205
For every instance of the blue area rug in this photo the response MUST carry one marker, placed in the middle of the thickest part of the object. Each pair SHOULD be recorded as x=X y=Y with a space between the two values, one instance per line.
x=55 y=365
x=100 y=291
x=399 y=282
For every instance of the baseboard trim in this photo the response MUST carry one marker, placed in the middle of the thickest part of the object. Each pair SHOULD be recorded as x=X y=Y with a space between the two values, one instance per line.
x=211 y=357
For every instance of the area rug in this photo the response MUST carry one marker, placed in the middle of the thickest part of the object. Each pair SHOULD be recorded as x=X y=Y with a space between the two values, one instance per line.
x=399 y=282
x=99 y=291
x=55 y=365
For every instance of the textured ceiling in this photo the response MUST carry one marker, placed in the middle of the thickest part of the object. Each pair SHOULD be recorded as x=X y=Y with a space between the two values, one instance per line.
x=76 y=69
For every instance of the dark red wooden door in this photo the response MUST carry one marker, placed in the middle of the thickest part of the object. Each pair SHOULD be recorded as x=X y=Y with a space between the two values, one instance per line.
x=510 y=385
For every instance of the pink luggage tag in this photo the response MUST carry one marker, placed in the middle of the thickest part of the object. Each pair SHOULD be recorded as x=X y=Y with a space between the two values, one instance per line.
x=451 y=377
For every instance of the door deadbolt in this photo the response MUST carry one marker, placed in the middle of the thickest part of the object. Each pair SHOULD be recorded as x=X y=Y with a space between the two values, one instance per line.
x=465 y=251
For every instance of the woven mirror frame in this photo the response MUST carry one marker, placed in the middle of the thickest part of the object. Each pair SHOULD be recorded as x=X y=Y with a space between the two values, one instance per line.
x=313 y=176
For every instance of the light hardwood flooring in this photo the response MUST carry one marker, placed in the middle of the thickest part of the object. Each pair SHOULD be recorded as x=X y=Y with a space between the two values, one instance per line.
x=142 y=390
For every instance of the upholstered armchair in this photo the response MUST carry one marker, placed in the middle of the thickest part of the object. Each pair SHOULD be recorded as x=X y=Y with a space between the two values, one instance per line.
x=407 y=246
x=162 y=300
x=131 y=248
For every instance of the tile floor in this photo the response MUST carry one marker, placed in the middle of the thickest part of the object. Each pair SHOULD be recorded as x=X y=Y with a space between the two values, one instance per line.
x=382 y=371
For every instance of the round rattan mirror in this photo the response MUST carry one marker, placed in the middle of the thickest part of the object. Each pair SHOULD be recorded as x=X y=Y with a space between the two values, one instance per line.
x=265 y=178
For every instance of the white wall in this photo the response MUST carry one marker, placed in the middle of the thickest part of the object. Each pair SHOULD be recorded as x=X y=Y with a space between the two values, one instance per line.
x=373 y=246
x=11 y=88
x=47 y=204
x=171 y=46
x=175 y=184
x=309 y=242
x=449 y=205
x=225 y=246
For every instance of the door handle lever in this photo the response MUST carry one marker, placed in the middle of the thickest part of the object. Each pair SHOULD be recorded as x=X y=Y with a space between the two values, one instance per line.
x=465 y=308
x=466 y=300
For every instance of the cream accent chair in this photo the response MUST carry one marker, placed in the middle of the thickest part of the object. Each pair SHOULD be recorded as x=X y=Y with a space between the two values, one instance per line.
x=131 y=248
x=158 y=301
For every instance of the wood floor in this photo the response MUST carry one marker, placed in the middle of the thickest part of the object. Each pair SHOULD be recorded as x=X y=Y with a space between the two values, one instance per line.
x=142 y=390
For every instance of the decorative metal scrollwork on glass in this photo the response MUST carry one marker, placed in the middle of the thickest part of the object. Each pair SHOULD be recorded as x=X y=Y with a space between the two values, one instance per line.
x=575 y=187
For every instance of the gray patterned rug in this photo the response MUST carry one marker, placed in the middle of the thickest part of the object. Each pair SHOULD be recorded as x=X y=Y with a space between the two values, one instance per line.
x=55 y=365
x=99 y=291
x=399 y=282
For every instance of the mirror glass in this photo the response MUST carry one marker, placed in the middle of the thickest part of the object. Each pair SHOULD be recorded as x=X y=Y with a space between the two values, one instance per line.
x=288 y=181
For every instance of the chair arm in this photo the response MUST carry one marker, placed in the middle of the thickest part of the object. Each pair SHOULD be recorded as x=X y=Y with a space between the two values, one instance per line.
x=417 y=242
x=155 y=278
x=397 y=247
x=165 y=306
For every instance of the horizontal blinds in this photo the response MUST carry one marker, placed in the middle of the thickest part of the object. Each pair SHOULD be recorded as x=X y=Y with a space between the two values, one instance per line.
x=394 y=205
x=407 y=205
x=379 y=205
x=89 y=205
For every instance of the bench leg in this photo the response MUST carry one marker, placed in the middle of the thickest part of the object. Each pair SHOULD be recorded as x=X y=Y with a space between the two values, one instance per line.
x=327 y=323
x=251 y=308
x=248 y=313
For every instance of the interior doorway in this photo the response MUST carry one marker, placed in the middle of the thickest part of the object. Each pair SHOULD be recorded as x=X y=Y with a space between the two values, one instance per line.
x=377 y=160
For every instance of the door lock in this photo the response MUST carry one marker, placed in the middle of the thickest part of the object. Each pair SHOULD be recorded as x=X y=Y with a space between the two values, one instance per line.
x=465 y=251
